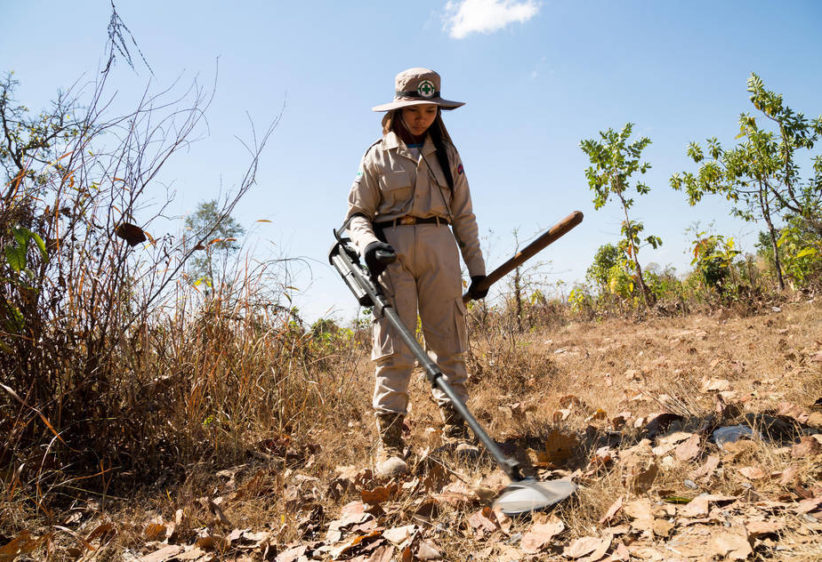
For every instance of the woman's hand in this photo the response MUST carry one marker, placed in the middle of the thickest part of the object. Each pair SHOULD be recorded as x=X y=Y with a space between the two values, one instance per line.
x=377 y=263
x=474 y=290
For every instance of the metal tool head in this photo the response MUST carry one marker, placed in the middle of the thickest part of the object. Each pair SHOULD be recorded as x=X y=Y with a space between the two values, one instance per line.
x=530 y=495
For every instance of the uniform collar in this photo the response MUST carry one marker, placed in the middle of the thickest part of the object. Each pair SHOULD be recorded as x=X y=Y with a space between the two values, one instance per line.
x=394 y=142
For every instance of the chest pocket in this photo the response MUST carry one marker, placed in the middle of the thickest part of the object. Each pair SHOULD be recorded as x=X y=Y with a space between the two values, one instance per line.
x=395 y=188
x=441 y=181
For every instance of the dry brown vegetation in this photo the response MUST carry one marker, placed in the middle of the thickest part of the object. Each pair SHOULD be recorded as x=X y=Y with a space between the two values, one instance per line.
x=281 y=435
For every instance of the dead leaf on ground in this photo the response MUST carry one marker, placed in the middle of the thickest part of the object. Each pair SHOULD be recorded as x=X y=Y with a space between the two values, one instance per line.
x=700 y=505
x=641 y=513
x=615 y=508
x=559 y=447
x=428 y=550
x=164 y=554
x=593 y=548
x=398 y=535
x=484 y=521
x=22 y=544
x=760 y=528
x=661 y=527
x=457 y=494
x=789 y=476
x=383 y=553
x=569 y=400
x=213 y=505
x=154 y=531
x=603 y=457
x=809 y=505
x=642 y=481
x=598 y=414
x=669 y=442
x=807 y=447
x=292 y=554
x=706 y=471
x=715 y=385
x=541 y=534
x=690 y=449
x=621 y=552
x=353 y=543
x=561 y=415
x=729 y=544
x=379 y=494
x=752 y=472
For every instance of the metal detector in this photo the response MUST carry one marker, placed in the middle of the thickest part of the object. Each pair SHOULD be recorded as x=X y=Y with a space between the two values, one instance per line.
x=523 y=495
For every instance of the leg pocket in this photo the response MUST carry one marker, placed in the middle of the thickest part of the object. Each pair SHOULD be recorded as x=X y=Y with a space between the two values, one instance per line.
x=383 y=339
x=461 y=345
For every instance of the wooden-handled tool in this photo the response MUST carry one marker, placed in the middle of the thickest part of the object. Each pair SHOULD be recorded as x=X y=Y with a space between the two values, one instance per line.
x=529 y=251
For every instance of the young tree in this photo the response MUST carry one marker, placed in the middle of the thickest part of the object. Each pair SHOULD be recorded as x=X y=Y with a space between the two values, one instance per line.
x=224 y=231
x=614 y=161
x=760 y=175
x=606 y=258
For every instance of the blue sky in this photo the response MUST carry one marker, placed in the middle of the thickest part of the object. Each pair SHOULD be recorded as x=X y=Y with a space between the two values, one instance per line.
x=536 y=76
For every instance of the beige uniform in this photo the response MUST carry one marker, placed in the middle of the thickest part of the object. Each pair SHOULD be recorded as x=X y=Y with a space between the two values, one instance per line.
x=394 y=182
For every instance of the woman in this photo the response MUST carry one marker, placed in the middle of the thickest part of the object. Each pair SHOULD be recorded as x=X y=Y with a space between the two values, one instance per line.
x=410 y=187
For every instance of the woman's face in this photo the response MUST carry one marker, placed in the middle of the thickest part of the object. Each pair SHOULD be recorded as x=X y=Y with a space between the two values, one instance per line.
x=418 y=118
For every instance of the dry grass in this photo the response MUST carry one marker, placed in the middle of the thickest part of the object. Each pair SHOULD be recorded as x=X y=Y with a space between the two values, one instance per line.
x=289 y=412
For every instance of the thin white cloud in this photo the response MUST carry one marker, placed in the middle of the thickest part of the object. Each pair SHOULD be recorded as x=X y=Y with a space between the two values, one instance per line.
x=486 y=16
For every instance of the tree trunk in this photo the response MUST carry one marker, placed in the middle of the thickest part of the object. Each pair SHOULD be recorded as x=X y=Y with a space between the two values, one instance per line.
x=776 y=263
x=634 y=253
x=645 y=293
x=518 y=297
x=766 y=214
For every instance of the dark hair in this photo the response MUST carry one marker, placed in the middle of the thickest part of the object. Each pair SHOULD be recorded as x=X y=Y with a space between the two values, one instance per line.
x=439 y=136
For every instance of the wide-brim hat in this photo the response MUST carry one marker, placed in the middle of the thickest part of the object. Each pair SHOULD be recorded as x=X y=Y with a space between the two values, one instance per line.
x=417 y=86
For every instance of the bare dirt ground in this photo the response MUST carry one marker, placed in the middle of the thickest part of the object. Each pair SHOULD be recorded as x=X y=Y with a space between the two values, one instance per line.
x=628 y=410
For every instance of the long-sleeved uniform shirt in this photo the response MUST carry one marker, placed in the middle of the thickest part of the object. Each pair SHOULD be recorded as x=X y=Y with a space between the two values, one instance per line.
x=393 y=182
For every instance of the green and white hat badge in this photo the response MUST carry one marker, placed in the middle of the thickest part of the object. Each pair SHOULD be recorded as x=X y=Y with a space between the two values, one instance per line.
x=417 y=86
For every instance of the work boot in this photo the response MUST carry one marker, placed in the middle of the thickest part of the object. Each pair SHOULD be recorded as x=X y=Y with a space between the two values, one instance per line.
x=390 y=462
x=455 y=431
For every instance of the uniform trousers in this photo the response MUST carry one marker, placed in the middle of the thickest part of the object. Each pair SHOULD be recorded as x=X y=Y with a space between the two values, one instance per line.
x=425 y=279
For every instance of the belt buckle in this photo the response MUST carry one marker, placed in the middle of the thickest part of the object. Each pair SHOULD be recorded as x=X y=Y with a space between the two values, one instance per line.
x=406 y=220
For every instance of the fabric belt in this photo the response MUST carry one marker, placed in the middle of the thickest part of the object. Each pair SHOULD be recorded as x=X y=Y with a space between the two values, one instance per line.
x=409 y=220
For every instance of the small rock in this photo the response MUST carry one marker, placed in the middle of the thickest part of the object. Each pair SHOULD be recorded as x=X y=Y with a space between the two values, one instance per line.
x=731 y=434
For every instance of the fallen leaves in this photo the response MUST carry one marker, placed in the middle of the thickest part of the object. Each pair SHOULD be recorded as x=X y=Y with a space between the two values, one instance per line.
x=541 y=534
x=24 y=543
x=615 y=508
x=731 y=545
x=642 y=480
x=484 y=522
x=689 y=449
x=559 y=447
x=587 y=549
x=807 y=447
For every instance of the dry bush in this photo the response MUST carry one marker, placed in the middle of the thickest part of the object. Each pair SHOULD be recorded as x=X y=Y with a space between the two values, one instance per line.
x=114 y=370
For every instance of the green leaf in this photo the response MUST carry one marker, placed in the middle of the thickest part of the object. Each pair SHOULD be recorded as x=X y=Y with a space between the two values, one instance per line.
x=16 y=256
x=41 y=245
x=15 y=321
x=677 y=499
